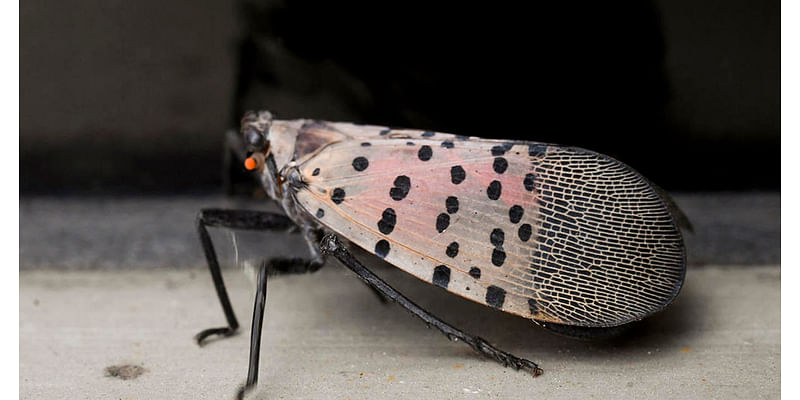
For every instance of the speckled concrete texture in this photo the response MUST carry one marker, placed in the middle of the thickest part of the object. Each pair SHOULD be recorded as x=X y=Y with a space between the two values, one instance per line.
x=326 y=337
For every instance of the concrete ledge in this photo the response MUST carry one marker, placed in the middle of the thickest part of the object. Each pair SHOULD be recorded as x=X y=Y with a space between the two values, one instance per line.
x=326 y=337
x=146 y=233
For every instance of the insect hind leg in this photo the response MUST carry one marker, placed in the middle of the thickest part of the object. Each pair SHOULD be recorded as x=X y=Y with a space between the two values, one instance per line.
x=244 y=220
x=255 y=330
x=330 y=244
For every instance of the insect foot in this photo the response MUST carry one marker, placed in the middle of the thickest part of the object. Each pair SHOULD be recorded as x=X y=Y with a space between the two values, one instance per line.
x=223 y=332
x=242 y=391
x=508 y=360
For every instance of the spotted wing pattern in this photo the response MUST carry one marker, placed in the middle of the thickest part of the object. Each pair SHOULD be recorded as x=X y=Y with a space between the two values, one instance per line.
x=552 y=233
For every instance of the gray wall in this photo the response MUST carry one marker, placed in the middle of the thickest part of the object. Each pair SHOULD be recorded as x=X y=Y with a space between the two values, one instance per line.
x=111 y=91
x=723 y=63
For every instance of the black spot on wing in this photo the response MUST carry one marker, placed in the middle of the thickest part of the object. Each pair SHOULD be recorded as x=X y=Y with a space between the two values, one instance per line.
x=387 y=221
x=525 y=232
x=337 y=195
x=501 y=149
x=441 y=276
x=366 y=144
x=384 y=132
x=428 y=133
x=497 y=237
x=457 y=174
x=452 y=250
x=495 y=296
x=315 y=172
x=382 y=248
x=451 y=203
x=500 y=165
x=475 y=272
x=447 y=144
x=536 y=150
x=498 y=257
x=494 y=190
x=425 y=153
x=530 y=180
x=320 y=213
x=442 y=222
x=402 y=185
x=515 y=213
x=360 y=163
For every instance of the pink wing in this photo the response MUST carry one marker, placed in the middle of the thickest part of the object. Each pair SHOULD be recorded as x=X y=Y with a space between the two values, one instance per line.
x=551 y=233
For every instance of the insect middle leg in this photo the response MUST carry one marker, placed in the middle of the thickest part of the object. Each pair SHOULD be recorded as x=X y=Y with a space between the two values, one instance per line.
x=244 y=220
x=331 y=245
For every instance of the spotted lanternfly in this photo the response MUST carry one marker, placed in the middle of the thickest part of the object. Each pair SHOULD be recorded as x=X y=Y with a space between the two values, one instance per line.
x=574 y=240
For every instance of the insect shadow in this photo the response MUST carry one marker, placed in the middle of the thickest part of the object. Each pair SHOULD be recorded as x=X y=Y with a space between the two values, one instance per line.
x=654 y=335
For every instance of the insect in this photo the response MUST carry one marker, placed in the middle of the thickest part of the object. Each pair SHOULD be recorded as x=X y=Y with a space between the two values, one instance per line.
x=574 y=240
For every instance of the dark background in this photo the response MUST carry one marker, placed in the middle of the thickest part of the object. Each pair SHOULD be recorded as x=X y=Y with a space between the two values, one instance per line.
x=134 y=97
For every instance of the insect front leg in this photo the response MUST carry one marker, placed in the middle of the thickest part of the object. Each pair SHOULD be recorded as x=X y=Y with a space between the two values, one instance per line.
x=266 y=268
x=330 y=244
x=245 y=220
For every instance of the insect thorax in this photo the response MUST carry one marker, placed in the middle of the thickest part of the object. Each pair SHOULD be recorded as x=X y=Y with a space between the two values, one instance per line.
x=291 y=143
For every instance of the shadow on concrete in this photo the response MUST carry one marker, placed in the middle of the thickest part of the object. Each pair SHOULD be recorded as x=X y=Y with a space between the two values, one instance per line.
x=668 y=329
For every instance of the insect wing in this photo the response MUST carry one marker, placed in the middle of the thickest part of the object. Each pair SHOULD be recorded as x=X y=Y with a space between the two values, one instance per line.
x=552 y=233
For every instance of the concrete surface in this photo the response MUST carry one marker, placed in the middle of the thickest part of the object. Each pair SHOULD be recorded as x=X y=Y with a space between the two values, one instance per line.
x=326 y=337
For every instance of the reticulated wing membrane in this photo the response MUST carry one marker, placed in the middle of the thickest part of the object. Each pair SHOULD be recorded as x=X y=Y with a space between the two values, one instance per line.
x=552 y=233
